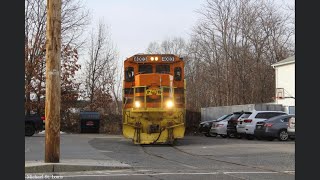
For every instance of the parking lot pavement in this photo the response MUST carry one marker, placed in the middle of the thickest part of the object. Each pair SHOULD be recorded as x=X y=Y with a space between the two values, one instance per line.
x=75 y=155
x=193 y=156
x=270 y=155
x=149 y=175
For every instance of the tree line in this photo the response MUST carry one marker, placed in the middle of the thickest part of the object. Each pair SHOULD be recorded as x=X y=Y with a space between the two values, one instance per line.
x=95 y=88
x=228 y=55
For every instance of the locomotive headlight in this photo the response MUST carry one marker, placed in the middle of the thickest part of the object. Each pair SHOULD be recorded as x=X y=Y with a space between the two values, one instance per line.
x=154 y=58
x=137 y=104
x=169 y=104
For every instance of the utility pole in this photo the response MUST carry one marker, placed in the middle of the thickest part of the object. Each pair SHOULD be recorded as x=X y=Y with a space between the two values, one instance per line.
x=53 y=86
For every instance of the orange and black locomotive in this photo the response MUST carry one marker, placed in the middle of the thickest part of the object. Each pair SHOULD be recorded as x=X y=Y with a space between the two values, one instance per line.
x=154 y=100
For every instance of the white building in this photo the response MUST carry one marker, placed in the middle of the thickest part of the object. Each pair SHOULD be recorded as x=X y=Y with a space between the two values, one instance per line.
x=285 y=83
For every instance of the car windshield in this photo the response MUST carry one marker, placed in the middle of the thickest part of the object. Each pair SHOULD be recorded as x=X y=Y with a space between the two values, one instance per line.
x=224 y=117
x=235 y=116
x=245 y=115
x=275 y=118
x=206 y=122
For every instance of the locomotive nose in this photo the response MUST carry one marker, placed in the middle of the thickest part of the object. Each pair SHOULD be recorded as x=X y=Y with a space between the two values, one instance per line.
x=152 y=79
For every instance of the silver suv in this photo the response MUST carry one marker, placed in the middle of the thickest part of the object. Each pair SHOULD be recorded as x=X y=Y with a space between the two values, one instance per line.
x=247 y=121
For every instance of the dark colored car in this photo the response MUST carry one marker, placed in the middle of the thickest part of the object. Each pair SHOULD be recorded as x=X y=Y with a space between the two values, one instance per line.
x=205 y=126
x=275 y=127
x=232 y=124
x=33 y=124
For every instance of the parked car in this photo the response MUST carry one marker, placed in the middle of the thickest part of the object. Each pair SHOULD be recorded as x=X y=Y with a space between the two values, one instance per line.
x=43 y=121
x=248 y=121
x=204 y=127
x=291 y=127
x=275 y=127
x=219 y=127
x=33 y=124
x=232 y=125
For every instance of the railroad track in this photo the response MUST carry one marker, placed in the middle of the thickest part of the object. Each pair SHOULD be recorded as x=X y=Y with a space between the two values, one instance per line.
x=207 y=157
x=144 y=148
x=229 y=162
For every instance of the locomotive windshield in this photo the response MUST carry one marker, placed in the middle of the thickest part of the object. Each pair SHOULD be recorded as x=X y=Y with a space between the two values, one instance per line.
x=145 y=69
x=163 y=68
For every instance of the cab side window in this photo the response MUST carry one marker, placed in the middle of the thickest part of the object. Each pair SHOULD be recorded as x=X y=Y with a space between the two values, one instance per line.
x=177 y=73
x=129 y=74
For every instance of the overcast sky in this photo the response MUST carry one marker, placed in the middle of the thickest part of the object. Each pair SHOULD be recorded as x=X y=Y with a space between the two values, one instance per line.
x=135 y=23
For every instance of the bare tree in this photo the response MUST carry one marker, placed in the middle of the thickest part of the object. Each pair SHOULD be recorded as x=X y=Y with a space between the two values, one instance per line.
x=231 y=50
x=175 y=45
x=100 y=69
x=74 y=20
x=153 y=48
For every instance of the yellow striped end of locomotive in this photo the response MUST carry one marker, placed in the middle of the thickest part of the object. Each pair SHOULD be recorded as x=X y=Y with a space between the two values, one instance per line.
x=154 y=99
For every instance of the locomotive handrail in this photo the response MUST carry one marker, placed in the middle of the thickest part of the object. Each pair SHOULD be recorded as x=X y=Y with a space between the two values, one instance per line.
x=130 y=125
x=145 y=95
x=145 y=98
x=154 y=110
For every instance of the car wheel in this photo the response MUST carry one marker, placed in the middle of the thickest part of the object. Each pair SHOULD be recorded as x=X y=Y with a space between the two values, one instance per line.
x=29 y=130
x=223 y=135
x=207 y=135
x=231 y=135
x=283 y=135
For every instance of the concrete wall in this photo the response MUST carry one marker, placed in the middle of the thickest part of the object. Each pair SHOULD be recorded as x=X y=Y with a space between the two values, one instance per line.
x=211 y=113
x=290 y=109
